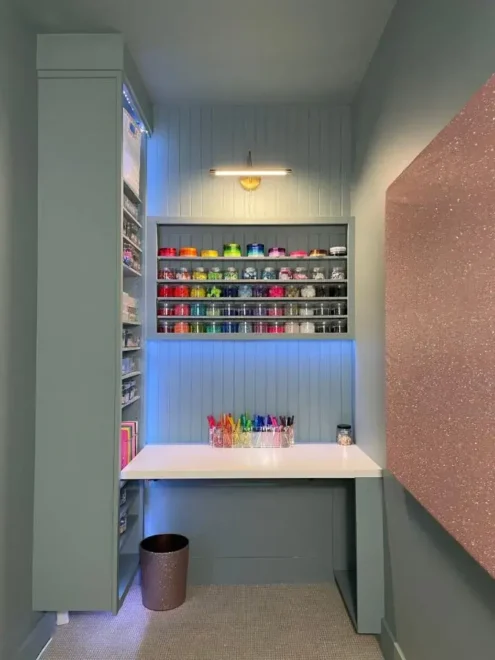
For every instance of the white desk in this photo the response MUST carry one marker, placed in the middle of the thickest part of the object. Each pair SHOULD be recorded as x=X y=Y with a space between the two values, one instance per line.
x=302 y=461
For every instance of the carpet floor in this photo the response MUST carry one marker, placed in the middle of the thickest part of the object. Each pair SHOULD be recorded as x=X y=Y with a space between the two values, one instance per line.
x=280 y=622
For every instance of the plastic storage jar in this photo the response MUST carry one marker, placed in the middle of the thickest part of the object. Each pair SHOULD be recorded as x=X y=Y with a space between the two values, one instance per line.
x=215 y=274
x=231 y=274
x=338 y=273
x=308 y=291
x=245 y=309
x=213 y=327
x=230 y=291
x=338 y=308
x=245 y=327
x=292 y=328
x=292 y=291
x=181 y=291
x=322 y=327
x=181 y=328
x=214 y=309
x=322 y=309
x=260 y=291
x=276 y=291
x=229 y=310
x=268 y=273
x=166 y=291
x=197 y=327
x=199 y=273
x=307 y=328
x=245 y=291
x=165 y=309
x=230 y=327
x=259 y=310
x=165 y=327
x=182 y=274
x=300 y=273
x=339 y=326
x=275 y=310
x=249 y=273
x=260 y=327
x=198 y=309
x=182 y=310
x=285 y=273
x=344 y=434
x=318 y=273
x=306 y=310
x=166 y=274
x=291 y=309
x=276 y=328
x=198 y=291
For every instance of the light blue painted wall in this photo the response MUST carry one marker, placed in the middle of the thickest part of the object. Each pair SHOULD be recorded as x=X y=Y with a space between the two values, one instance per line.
x=18 y=235
x=434 y=54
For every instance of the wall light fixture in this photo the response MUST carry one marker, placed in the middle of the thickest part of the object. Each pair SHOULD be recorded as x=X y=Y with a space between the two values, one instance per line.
x=249 y=176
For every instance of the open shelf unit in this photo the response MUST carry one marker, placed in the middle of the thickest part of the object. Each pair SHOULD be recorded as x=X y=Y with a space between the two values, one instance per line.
x=268 y=297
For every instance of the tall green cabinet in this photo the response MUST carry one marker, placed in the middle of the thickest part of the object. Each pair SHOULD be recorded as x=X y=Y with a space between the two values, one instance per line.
x=80 y=561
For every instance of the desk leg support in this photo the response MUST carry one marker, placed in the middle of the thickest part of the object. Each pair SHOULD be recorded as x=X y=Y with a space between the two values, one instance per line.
x=369 y=555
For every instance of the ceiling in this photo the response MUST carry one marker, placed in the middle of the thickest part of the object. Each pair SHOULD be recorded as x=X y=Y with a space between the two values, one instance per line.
x=234 y=50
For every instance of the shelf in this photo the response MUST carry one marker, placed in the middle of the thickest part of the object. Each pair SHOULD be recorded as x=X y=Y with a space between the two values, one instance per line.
x=347 y=585
x=130 y=272
x=128 y=349
x=132 y=218
x=236 y=282
x=254 y=301
x=239 y=336
x=131 y=374
x=133 y=323
x=129 y=192
x=302 y=461
x=131 y=498
x=132 y=521
x=131 y=242
x=248 y=259
x=128 y=567
x=129 y=403
x=268 y=319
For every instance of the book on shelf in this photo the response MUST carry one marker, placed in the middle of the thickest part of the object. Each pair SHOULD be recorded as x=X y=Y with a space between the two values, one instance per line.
x=129 y=442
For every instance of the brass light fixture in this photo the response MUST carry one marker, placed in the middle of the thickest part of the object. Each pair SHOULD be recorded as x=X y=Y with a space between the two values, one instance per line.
x=250 y=177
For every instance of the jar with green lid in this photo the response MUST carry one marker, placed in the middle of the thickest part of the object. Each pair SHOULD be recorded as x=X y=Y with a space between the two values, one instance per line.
x=213 y=327
x=232 y=250
x=197 y=327
x=215 y=274
x=199 y=273
x=214 y=310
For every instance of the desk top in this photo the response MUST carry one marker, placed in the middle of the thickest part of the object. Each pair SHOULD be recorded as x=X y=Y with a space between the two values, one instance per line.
x=302 y=461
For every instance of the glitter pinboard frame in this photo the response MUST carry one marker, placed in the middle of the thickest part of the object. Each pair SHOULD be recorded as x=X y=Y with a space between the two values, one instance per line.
x=440 y=327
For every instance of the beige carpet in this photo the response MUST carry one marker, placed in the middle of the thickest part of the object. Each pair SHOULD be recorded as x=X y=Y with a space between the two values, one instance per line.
x=293 y=622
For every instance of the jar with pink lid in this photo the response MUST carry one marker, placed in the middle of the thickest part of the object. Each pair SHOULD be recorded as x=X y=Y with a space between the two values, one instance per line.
x=276 y=291
x=292 y=328
x=275 y=310
x=276 y=252
x=300 y=273
x=276 y=328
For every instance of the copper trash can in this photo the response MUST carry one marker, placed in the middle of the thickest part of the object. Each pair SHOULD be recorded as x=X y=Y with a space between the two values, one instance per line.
x=164 y=559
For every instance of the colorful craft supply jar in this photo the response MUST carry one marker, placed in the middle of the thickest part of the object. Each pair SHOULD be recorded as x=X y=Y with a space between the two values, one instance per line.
x=198 y=309
x=306 y=310
x=344 y=435
x=317 y=273
x=291 y=309
x=338 y=308
x=165 y=309
x=260 y=327
x=322 y=309
x=245 y=327
x=307 y=328
x=213 y=327
x=292 y=328
x=215 y=274
x=308 y=291
x=181 y=309
x=300 y=273
x=245 y=291
x=230 y=291
x=199 y=273
x=276 y=328
x=230 y=327
x=318 y=253
x=260 y=291
x=214 y=309
x=181 y=291
x=338 y=273
x=255 y=250
x=275 y=310
x=214 y=292
x=231 y=274
x=165 y=327
x=292 y=291
x=268 y=273
x=249 y=273
x=276 y=291
x=166 y=274
x=166 y=291
x=167 y=252
x=182 y=274
x=232 y=250
x=276 y=252
x=198 y=291
x=188 y=252
x=298 y=254
x=196 y=327
x=209 y=254
x=285 y=273
x=230 y=310
x=181 y=328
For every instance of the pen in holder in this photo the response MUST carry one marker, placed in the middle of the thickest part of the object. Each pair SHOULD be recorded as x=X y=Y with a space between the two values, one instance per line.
x=257 y=432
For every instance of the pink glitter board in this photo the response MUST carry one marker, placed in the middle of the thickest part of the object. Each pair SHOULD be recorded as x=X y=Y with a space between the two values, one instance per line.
x=440 y=327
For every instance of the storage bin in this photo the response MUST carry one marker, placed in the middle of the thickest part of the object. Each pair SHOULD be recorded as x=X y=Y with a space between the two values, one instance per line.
x=164 y=560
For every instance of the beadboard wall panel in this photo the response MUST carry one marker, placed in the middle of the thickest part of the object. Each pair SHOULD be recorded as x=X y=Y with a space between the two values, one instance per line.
x=189 y=140
x=190 y=380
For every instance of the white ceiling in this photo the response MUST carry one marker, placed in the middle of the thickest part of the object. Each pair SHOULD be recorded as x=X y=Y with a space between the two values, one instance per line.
x=234 y=50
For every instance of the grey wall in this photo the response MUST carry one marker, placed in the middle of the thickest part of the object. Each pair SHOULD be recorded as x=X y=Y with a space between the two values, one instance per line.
x=19 y=635
x=433 y=56
x=188 y=140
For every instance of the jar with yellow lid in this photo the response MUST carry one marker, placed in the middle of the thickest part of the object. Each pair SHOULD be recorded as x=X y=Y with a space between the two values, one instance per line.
x=199 y=273
x=209 y=254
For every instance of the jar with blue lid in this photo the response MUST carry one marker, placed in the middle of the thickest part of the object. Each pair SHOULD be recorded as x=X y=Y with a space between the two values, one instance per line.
x=255 y=250
x=245 y=291
x=198 y=309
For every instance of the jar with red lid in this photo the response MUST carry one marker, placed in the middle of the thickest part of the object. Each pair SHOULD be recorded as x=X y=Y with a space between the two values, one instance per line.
x=166 y=274
x=166 y=291
x=181 y=328
x=181 y=291
x=181 y=310
x=276 y=328
x=167 y=252
x=165 y=309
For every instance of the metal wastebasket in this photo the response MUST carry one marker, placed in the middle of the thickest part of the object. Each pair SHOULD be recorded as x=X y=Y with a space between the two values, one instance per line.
x=164 y=560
